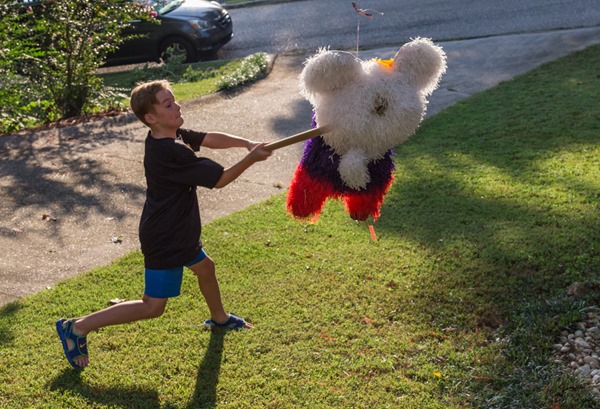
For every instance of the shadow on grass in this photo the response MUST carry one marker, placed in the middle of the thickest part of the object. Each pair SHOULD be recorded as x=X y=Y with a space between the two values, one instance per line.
x=70 y=381
x=508 y=185
x=205 y=395
x=500 y=194
x=501 y=191
x=6 y=312
x=496 y=252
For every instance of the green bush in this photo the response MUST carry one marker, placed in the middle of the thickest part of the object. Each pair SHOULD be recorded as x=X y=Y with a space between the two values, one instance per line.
x=193 y=75
x=170 y=69
x=253 y=67
x=54 y=48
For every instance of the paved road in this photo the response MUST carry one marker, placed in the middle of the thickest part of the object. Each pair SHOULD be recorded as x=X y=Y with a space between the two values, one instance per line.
x=304 y=26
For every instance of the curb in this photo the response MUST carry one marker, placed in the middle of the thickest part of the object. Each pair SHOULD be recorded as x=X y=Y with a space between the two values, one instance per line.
x=251 y=3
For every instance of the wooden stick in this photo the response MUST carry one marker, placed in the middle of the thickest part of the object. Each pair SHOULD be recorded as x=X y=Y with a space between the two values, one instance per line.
x=302 y=136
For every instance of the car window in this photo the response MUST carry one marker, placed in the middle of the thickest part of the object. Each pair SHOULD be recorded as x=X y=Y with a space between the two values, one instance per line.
x=165 y=6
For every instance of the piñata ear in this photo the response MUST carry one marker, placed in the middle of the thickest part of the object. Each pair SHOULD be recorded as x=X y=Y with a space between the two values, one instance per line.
x=328 y=71
x=422 y=62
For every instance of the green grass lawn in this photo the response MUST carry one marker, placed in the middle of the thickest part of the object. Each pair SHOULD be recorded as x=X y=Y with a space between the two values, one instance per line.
x=128 y=79
x=493 y=214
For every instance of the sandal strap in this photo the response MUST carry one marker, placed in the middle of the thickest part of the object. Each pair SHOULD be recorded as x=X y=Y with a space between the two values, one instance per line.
x=233 y=323
x=79 y=342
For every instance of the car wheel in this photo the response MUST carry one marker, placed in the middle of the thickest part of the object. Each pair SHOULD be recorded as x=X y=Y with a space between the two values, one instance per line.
x=176 y=46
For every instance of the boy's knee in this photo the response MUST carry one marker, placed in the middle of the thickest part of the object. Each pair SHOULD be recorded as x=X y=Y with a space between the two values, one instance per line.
x=154 y=307
x=156 y=311
x=205 y=268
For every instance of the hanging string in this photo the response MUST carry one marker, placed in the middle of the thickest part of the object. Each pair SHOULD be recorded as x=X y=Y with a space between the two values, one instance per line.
x=368 y=13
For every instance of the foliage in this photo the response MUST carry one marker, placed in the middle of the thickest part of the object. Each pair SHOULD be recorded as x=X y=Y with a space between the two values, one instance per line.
x=192 y=75
x=252 y=67
x=17 y=113
x=494 y=212
x=169 y=69
x=55 y=47
x=189 y=81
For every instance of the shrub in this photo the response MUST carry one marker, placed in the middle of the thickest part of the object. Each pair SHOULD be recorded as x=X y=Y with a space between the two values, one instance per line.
x=55 y=46
x=252 y=68
x=170 y=69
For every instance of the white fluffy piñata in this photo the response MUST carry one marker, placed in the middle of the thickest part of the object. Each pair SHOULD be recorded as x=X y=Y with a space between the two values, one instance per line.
x=370 y=106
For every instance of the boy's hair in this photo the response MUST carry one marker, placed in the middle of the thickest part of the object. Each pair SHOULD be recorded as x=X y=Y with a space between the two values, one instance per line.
x=143 y=97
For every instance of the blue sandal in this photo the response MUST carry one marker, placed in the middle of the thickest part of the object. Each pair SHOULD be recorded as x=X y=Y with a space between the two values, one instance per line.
x=79 y=347
x=233 y=323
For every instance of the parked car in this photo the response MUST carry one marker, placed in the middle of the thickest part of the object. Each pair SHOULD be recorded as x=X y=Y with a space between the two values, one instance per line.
x=194 y=28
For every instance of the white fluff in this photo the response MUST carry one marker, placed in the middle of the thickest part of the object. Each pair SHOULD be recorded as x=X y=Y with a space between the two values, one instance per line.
x=351 y=169
x=370 y=107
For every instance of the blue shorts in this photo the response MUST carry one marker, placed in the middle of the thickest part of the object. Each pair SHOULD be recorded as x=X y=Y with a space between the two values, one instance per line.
x=167 y=283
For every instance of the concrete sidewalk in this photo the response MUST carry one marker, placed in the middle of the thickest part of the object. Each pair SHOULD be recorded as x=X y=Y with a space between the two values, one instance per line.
x=72 y=197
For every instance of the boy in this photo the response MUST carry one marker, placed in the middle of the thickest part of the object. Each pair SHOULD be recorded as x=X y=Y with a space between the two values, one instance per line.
x=170 y=223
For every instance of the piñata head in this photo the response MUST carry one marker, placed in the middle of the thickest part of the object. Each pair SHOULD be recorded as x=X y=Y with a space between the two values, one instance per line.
x=369 y=107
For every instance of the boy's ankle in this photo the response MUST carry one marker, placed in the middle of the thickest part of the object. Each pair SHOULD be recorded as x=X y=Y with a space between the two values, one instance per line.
x=221 y=320
x=77 y=330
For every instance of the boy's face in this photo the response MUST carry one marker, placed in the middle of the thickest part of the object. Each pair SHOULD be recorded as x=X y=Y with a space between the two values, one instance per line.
x=166 y=113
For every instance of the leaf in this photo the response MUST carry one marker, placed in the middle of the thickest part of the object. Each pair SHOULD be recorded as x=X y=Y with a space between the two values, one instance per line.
x=367 y=320
x=327 y=337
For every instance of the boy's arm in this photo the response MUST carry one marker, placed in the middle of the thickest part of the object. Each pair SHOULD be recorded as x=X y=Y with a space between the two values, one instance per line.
x=258 y=153
x=220 y=140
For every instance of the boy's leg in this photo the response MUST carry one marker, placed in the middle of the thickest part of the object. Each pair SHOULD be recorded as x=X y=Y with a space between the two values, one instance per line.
x=129 y=311
x=209 y=286
x=147 y=307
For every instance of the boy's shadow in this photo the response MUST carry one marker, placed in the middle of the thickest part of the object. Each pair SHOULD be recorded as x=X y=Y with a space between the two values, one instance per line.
x=70 y=380
x=205 y=394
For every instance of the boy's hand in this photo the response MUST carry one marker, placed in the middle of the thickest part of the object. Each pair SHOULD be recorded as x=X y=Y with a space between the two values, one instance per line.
x=258 y=152
x=251 y=145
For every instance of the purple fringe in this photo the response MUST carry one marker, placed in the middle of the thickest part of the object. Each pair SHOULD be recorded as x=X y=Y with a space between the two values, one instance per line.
x=321 y=163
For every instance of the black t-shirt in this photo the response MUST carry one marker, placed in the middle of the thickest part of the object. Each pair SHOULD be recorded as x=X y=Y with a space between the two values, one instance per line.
x=170 y=225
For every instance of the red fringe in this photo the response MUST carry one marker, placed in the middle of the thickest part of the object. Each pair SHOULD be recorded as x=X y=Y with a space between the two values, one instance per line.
x=306 y=197
x=361 y=205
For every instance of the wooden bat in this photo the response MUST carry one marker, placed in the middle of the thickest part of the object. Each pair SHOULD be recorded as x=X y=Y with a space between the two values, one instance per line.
x=302 y=136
